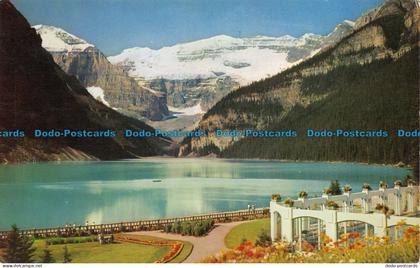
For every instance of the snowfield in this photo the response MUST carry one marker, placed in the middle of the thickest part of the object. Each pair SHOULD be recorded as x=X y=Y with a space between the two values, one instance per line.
x=247 y=59
x=193 y=110
x=98 y=94
x=55 y=39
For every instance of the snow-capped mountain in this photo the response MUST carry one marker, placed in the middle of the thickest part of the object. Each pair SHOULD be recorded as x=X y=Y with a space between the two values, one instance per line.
x=188 y=78
x=244 y=59
x=55 y=39
x=104 y=81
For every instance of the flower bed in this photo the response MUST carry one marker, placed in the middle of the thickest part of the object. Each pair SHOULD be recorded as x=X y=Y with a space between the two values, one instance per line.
x=176 y=246
x=350 y=248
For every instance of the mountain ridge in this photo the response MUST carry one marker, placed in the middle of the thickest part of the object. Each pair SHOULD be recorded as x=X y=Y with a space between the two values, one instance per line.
x=36 y=94
x=201 y=72
x=320 y=93
x=138 y=61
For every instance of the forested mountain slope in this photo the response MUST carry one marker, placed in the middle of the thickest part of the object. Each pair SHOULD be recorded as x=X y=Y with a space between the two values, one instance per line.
x=36 y=94
x=367 y=81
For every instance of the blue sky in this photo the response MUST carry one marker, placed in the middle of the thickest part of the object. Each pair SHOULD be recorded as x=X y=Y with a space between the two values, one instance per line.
x=113 y=25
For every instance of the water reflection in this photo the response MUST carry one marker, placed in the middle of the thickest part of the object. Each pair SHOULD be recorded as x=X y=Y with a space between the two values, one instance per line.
x=41 y=195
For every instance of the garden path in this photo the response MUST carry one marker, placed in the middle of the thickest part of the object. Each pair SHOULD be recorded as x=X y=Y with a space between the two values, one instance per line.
x=204 y=246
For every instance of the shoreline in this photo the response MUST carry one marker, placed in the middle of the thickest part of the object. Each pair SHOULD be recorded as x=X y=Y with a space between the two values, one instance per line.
x=396 y=165
x=151 y=224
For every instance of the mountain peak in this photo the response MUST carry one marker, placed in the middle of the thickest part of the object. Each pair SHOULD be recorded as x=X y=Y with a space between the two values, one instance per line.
x=58 y=40
x=349 y=22
x=310 y=36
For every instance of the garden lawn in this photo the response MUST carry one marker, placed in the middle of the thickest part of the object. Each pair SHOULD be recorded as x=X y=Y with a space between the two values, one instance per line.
x=248 y=231
x=119 y=252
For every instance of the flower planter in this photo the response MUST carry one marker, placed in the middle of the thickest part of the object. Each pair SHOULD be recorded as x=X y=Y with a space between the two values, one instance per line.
x=275 y=197
x=366 y=188
x=331 y=205
x=289 y=203
x=302 y=195
x=347 y=190
x=397 y=184
x=411 y=183
x=382 y=186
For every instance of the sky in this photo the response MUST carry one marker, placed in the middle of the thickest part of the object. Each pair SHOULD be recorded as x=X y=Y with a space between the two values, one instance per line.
x=114 y=25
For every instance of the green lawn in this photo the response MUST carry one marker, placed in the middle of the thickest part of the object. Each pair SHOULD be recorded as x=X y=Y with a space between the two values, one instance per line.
x=248 y=231
x=93 y=252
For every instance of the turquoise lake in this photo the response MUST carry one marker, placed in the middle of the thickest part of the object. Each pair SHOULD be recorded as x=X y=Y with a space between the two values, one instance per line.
x=54 y=194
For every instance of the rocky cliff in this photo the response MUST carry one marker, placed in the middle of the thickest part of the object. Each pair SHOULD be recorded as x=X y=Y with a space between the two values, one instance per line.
x=36 y=94
x=83 y=60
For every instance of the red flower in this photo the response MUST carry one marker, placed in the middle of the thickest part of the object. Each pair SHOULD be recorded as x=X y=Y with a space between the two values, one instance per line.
x=249 y=254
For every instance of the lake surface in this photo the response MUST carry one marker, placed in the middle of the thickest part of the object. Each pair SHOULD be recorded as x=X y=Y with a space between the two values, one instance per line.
x=54 y=194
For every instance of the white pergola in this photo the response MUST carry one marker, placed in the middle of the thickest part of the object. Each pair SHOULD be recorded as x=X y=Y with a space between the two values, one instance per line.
x=289 y=220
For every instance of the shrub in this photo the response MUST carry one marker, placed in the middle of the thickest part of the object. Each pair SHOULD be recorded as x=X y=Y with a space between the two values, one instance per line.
x=196 y=228
x=167 y=228
x=186 y=228
x=263 y=239
x=69 y=240
x=176 y=228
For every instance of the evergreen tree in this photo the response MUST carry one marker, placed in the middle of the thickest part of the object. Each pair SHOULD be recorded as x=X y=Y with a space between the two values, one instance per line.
x=335 y=188
x=66 y=255
x=47 y=257
x=18 y=247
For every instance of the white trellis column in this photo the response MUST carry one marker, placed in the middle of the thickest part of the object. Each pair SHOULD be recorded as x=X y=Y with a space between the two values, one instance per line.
x=366 y=206
x=347 y=202
x=383 y=198
x=287 y=224
x=299 y=229
x=274 y=227
x=331 y=224
x=345 y=227
x=319 y=233
x=366 y=230
x=398 y=201
x=411 y=198
x=344 y=203
x=379 y=228
x=305 y=224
